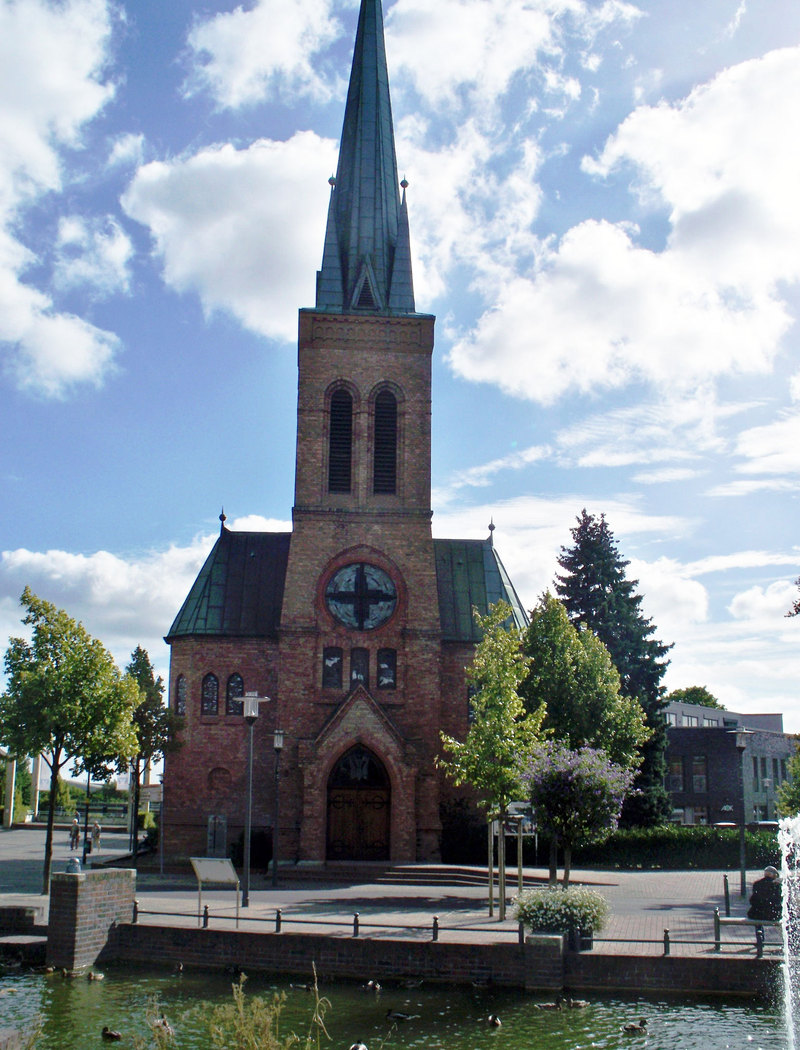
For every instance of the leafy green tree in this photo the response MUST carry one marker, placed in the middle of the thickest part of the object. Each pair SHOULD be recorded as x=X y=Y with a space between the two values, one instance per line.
x=156 y=725
x=788 y=794
x=694 y=694
x=795 y=609
x=22 y=787
x=576 y=796
x=597 y=594
x=65 y=699
x=571 y=673
x=502 y=734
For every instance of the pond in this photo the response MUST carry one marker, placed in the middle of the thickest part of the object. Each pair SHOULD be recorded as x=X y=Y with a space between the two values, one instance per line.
x=74 y=1011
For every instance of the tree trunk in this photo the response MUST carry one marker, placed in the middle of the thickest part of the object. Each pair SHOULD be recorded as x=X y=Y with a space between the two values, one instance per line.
x=51 y=819
x=567 y=863
x=553 y=879
x=134 y=839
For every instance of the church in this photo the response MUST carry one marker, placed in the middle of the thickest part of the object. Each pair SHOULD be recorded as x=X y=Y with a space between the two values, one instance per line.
x=356 y=627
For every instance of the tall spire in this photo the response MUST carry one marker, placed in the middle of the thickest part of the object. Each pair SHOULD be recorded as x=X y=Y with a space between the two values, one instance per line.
x=366 y=263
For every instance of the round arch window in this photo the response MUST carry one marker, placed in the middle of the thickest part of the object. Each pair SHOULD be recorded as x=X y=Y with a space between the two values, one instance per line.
x=361 y=596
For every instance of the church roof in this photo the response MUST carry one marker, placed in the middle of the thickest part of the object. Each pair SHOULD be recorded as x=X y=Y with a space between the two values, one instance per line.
x=239 y=590
x=366 y=262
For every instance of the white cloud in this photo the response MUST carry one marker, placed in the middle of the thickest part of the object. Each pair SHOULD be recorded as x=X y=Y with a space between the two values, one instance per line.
x=93 y=252
x=766 y=605
x=771 y=449
x=127 y=149
x=666 y=476
x=241 y=228
x=601 y=311
x=52 y=65
x=246 y=55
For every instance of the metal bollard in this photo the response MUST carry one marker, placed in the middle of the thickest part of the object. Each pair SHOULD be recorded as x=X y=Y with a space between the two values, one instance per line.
x=717 y=934
x=355 y=924
x=666 y=942
x=278 y=920
x=205 y=917
x=727 y=890
x=759 y=942
x=135 y=912
x=435 y=936
x=521 y=933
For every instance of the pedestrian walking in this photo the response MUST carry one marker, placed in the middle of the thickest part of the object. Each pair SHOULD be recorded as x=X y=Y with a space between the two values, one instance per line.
x=95 y=837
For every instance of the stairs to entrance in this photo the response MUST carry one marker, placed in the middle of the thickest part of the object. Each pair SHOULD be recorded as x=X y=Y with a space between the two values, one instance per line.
x=399 y=874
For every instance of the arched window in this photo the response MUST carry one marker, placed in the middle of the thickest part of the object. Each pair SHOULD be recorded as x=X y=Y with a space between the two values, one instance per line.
x=331 y=667
x=234 y=705
x=209 y=704
x=359 y=667
x=340 y=451
x=180 y=695
x=384 y=464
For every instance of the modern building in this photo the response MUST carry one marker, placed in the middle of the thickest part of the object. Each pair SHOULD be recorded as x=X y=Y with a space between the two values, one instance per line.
x=723 y=765
x=355 y=627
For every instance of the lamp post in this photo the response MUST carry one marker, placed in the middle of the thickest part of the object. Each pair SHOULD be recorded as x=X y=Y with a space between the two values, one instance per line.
x=250 y=716
x=278 y=745
x=740 y=737
x=161 y=828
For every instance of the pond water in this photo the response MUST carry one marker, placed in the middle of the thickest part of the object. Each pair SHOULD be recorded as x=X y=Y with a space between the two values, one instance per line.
x=74 y=1010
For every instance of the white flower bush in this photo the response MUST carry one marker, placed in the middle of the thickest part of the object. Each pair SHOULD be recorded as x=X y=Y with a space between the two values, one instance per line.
x=560 y=909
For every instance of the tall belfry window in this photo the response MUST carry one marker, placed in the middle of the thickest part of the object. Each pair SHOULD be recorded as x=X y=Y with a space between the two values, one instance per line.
x=384 y=466
x=341 y=442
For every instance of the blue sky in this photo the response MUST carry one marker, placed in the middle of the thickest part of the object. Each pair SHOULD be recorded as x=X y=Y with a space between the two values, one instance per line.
x=605 y=218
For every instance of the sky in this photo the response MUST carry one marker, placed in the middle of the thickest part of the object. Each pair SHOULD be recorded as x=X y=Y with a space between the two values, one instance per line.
x=604 y=202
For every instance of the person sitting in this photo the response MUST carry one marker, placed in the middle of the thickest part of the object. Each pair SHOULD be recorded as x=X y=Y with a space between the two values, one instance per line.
x=765 y=900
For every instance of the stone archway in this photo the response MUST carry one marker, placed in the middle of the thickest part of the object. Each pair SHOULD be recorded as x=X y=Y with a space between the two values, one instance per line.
x=359 y=808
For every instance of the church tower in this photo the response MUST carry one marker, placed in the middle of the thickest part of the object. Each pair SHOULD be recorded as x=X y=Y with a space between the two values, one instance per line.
x=358 y=625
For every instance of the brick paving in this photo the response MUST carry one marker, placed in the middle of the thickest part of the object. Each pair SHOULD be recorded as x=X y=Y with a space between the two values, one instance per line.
x=643 y=903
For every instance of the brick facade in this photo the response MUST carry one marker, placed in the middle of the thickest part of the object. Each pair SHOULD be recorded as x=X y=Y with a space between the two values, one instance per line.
x=84 y=908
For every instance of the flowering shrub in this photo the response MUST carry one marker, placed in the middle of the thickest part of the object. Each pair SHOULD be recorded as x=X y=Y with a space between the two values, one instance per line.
x=559 y=909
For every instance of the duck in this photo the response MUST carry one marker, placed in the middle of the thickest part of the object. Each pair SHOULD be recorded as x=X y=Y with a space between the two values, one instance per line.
x=163 y=1025
x=371 y=986
x=398 y=1015
x=633 y=1027
x=178 y=967
x=95 y=975
x=494 y=1021
x=302 y=987
x=110 y=1034
x=359 y=1046
x=411 y=982
x=557 y=1005
x=577 y=1004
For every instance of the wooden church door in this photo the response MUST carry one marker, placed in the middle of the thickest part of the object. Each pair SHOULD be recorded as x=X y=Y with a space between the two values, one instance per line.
x=359 y=807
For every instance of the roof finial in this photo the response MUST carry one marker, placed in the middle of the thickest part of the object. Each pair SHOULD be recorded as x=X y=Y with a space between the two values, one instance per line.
x=222 y=520
x=491 y=532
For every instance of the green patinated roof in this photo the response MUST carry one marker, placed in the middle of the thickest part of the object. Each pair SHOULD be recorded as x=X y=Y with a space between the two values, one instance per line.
x=470 y=574
x=239 y=590
x=366 y=261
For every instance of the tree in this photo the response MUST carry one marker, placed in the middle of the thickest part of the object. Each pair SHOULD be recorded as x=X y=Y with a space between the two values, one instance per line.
x=694 y=694
x=502 y=734
x=788 y=795
x=597 y=595
x=65 y=699
x=572 y=674
x=576 y=795
x=795 y=609
x=156 y=725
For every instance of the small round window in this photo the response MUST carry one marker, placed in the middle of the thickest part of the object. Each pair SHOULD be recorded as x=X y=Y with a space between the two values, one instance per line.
x=361 y=596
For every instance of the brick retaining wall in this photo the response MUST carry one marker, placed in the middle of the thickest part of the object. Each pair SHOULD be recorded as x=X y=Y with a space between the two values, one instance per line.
x=84 y=910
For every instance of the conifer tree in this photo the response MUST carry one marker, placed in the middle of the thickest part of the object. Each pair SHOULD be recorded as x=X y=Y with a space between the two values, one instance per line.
x=597 y=594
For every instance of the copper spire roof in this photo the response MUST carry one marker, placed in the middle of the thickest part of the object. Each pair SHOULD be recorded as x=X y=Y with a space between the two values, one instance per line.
x=366 y=263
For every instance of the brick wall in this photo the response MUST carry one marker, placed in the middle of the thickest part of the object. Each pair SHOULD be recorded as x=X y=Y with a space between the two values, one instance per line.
x=84 y=911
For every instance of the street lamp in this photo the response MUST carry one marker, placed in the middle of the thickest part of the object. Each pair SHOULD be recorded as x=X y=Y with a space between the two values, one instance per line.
x=278 y=745
x=250 y=716
x=740 y=737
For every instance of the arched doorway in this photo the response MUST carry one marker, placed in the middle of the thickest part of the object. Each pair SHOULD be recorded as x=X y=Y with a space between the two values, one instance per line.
x=359 y=798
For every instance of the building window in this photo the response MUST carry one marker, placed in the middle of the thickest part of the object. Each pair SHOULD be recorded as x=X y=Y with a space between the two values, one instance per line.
x=387 y=668
x=783 y=770
x=775 y=771
x=701 y=815
x=340 y=450
x=359 y=667
x=710 y=721
x=234 y=705
x=699 y=773
x=690 y=720
x=384 y=466
x=180 y=696
x=675 y=774
x=472 y=692
x=756 y=786
x=210 y=695
x=671 y=718
x=331 y=667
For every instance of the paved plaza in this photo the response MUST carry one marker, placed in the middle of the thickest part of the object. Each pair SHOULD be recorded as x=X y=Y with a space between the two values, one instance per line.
x=643 y=903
